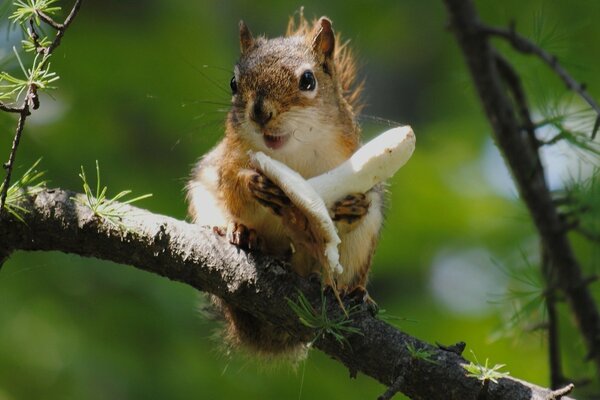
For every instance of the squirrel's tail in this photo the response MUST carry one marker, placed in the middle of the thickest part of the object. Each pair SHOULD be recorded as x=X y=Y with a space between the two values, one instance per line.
x=243 y=331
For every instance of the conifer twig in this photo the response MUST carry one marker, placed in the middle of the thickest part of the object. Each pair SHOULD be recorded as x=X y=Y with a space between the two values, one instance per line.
x=24 y=112
x=60 y=28
x=10 y=109
x=31 y=100
x=526 y=46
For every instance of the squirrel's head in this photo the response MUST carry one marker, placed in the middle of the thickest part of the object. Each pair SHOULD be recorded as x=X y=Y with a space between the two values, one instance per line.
x=292 y=92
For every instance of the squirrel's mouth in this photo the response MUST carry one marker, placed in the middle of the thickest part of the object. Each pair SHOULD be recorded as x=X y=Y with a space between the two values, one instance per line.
x=275 y=142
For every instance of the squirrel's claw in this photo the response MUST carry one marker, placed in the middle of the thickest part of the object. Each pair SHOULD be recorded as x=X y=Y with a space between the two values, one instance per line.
x=361 y=294
x=243 y=237
x=267 y=193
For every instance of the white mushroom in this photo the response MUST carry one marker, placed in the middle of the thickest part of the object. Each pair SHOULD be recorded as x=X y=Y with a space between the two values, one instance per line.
x=376 y=161
x=371 y=164
x=308 y=201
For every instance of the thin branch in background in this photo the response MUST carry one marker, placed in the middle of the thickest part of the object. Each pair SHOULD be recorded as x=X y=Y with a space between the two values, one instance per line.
x=393 y=389
x=526 y=46
x=560 y=393
x=60 y=28
x=31 y=100
x=10 y=109
x=512 y=79
x=591 y=236
x=557 y=378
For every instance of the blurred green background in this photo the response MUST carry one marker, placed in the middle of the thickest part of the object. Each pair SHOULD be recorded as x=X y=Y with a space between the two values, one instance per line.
x=141 y=91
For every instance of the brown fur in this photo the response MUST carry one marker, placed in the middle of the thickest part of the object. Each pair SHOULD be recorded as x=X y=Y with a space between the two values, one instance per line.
x=345 y=61
x=320 y=132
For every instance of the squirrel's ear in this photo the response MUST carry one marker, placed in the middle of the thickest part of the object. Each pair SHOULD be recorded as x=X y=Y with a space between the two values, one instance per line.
x=324 y=41
x=246 y=39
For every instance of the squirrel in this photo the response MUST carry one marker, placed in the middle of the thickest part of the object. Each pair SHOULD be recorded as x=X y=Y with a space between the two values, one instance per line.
x=295 y=99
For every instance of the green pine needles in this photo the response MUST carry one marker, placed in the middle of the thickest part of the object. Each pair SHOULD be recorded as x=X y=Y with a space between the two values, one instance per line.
x=338 y=328
x=29 y=184
x=38 y=76
x=111 y=210
x=31 y=9
x=484 y=372
x=422 y=353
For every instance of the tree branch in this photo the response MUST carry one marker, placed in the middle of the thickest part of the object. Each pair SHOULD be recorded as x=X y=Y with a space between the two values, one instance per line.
x=526 y=46
x=526 y=169
x=10 y=109
x=257 y=284
x=60 y=28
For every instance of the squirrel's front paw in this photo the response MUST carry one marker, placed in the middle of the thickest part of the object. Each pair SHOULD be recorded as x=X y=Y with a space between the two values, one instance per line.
x=351 y=208
x=267 y=193
x=242 y=236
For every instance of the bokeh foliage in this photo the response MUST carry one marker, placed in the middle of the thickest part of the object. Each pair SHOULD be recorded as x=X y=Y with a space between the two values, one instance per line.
x=143 y=89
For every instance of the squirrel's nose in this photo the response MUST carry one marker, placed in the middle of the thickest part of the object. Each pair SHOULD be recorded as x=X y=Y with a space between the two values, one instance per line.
x=260 y=112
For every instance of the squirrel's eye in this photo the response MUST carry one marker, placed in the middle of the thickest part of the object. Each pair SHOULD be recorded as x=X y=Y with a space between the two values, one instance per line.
x=308 y=81
x=233 y=85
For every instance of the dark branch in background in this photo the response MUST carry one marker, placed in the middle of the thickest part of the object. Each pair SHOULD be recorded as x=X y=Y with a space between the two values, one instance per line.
x=257 y=284
x=493 y=78
x=31 y=100
x=512 y=79
x=60 y=28
x=526 y=46
x=10 y=109
x=557 y=379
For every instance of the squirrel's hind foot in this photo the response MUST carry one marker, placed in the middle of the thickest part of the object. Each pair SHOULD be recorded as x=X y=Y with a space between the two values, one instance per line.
x=361 y=295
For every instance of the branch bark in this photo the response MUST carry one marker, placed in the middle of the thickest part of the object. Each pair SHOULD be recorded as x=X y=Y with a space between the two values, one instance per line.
x=523 y=161
x=258 y=284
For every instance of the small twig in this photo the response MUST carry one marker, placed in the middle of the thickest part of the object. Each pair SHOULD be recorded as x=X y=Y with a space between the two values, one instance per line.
x=34 y=36
x=10 y=109
x=393 y=389
x=538 y=326
x=61 y=28
x=13 y=151
x=555 y=139
x=456 y=348
x=591 y=236
x=591 y=279
x=559 y=393
x=526 y=46
x=47 y=19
